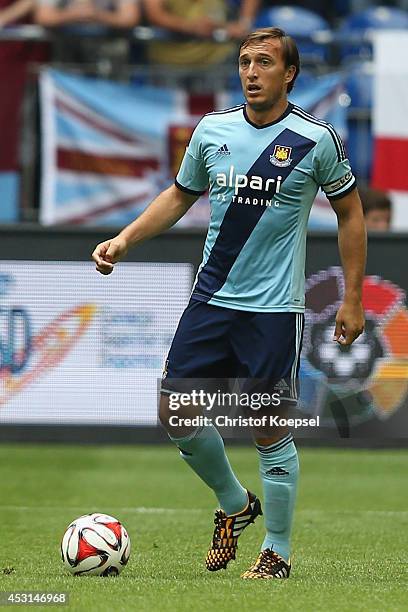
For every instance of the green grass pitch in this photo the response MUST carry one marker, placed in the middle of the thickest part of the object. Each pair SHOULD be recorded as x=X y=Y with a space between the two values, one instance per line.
x=350 y=536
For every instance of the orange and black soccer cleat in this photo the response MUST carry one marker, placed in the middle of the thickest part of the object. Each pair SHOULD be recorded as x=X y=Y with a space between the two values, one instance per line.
x=268 y=565
x=227 y=531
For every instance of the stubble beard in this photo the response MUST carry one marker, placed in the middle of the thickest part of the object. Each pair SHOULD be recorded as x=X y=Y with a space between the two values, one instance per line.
x=268 y=104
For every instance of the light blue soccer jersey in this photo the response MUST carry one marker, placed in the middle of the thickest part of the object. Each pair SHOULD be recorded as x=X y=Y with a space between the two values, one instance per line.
x=262 y=183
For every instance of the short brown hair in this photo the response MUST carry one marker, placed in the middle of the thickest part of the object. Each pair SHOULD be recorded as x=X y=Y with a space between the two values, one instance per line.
x=289 y=49
x=374 y=199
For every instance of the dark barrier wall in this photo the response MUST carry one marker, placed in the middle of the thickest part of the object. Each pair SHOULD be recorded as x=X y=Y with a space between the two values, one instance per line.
x=387 y=253
x=373 y=406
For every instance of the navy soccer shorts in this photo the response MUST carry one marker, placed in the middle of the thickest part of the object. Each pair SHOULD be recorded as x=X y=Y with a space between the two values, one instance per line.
x=216 y=343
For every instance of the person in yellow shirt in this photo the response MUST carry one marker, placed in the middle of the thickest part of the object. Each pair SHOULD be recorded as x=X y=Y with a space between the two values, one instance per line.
x=200 y=21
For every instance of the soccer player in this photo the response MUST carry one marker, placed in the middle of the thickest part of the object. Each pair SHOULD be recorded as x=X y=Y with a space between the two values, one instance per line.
x=263 y=163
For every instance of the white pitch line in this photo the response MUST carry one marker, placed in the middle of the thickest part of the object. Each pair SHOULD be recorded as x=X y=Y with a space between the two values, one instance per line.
x=153 y=510
x=137 y=509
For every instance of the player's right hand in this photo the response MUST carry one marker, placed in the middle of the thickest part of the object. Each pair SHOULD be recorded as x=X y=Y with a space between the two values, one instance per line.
x=107 y=253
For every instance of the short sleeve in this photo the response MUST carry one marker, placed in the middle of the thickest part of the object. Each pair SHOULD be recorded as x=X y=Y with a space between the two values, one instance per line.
x=192 y=176
x=331 y=167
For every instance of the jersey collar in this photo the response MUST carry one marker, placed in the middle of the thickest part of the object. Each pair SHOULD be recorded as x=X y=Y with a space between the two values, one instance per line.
x=261 y=127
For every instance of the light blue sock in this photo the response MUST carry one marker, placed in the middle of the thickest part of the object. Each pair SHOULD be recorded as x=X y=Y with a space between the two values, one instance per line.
x=204 y=452
x=279 y=469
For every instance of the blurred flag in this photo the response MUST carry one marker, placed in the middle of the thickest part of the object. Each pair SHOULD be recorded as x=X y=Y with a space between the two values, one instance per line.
x=390 y=125
x=104 y=149
x=16 y=58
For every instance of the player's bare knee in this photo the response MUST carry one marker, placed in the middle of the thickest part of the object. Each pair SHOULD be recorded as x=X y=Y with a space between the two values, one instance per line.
x=164 y=411
x=268 y=436
x=261 y=441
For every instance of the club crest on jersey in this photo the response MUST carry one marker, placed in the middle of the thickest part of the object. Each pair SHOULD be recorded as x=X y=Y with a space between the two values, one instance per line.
x=281 y=156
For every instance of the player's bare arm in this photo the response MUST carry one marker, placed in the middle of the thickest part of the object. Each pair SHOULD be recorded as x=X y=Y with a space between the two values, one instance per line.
x=165 y=210
x=353 y=251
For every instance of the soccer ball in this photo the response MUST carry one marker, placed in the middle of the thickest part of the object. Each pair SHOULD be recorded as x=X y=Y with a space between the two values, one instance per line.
x=95 y=544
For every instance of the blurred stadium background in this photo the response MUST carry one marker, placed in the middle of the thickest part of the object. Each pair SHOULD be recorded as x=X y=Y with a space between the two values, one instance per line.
x=95 y=113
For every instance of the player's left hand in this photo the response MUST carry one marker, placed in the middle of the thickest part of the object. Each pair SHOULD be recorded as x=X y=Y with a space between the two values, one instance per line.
x=349 y=323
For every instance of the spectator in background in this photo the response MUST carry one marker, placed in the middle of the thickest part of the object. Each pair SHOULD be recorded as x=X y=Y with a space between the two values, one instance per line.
x=94 y=22
x=201 y=19
x=377 y=210
x=16 y=11
x=109 y=13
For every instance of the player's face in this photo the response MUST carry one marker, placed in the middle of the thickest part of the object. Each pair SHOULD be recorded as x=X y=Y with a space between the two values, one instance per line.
x=263 y=74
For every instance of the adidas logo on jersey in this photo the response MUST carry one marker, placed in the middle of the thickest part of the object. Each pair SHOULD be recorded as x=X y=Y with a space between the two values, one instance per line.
x=224 y=150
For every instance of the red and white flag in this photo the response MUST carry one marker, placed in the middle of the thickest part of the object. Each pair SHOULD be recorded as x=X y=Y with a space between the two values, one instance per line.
x=390 y=120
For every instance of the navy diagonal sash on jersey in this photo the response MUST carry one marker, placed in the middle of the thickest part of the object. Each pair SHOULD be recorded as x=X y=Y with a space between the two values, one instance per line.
x=240 y=219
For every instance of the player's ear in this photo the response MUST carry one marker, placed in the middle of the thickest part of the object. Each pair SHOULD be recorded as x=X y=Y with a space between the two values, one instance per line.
x=290 y=74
